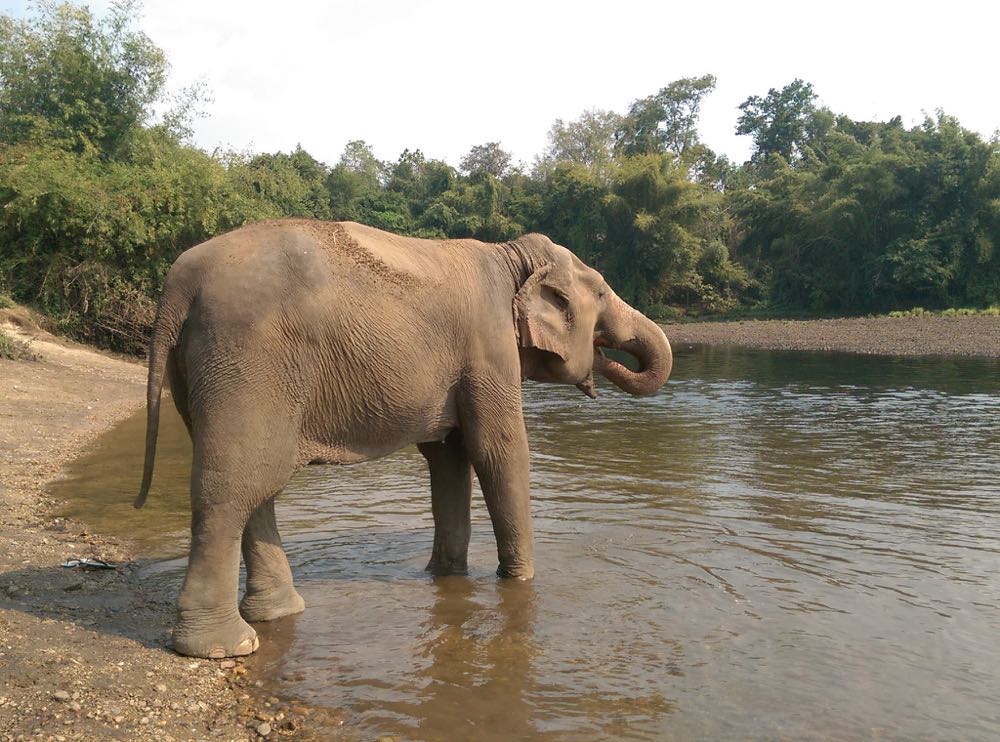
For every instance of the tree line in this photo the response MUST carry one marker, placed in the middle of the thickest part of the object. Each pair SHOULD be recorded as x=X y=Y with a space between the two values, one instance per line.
x=99 y=193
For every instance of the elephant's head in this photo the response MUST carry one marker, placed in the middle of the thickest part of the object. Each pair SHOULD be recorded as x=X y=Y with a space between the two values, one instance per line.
x=565 y=312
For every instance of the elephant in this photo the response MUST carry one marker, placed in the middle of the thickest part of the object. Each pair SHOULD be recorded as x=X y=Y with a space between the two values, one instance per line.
x=294 y=342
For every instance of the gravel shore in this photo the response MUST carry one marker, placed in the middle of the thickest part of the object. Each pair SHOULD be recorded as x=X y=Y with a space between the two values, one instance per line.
x=898 y=336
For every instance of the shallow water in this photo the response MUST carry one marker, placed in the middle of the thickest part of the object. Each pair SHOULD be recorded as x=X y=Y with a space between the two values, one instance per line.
x=778 y=545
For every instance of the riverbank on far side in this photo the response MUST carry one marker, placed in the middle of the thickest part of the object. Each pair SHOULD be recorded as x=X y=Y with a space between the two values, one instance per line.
x=968 y=335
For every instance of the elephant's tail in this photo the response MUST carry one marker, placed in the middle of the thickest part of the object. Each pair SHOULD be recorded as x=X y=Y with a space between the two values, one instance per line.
x=170 y=315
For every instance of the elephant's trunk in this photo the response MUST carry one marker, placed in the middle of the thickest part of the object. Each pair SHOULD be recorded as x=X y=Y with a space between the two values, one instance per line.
x=637 y=335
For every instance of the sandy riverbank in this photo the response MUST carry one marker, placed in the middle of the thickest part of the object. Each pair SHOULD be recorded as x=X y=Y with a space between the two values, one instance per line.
x=902 y=336
x=84 y=654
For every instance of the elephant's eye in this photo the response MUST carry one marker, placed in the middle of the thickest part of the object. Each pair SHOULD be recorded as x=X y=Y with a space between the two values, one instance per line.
x=560 y=299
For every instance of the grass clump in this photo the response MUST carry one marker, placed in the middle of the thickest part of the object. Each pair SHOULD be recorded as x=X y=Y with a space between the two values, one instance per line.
x=13 y=349
x=991 y=311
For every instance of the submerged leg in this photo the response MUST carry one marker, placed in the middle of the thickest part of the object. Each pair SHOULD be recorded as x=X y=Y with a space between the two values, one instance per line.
x=451 y=503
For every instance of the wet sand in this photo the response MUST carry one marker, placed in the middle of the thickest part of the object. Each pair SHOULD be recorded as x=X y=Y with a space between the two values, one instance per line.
x=898 y=336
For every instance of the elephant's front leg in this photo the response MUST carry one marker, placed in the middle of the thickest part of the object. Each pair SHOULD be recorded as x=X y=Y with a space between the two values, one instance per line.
x=270 y=592
x=498 y=446
x=451 y=503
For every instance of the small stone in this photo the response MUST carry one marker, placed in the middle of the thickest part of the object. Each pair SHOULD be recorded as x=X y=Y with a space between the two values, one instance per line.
x=61 y=695
x=161 y=688
x=263 y=729
x=227 y=664
x=144 y=720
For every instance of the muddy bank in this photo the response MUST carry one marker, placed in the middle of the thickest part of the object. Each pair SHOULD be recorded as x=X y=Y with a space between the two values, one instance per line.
x=84 y=653
x=903 y=336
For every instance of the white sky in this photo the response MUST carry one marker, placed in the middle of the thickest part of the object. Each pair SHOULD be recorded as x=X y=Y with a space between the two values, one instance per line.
x=444 y=75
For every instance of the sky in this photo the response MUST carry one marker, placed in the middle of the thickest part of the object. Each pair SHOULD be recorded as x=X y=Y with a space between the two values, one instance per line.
x=443 y=75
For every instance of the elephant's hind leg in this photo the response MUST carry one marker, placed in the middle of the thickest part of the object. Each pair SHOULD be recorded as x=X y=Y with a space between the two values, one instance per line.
x=208 y=623
x=242 y=459
x=451 y=503
x=270 y=592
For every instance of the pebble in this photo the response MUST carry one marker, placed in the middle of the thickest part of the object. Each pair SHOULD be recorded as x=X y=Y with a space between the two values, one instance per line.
x=61 y=695
x=161 y=688
x=227 y=664
x=263 y=729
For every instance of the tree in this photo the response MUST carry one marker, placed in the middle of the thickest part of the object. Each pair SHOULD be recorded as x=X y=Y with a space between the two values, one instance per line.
x=294 y=184
x=488 y=159
x=588 y=141
x=666 y=121
x=87 y=83
x=357 y=176
x=887 y=218
x=784 y=121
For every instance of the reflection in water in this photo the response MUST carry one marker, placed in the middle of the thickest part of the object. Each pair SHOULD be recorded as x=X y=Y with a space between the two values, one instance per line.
x=778 y=545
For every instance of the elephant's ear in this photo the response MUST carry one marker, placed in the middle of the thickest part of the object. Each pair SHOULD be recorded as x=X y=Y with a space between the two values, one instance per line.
x=541 y=313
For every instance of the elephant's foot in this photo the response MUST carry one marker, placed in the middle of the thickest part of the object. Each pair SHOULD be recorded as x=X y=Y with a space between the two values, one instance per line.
x=270 y=604
x=440 y=566
x=199 y=634
x=516 y=571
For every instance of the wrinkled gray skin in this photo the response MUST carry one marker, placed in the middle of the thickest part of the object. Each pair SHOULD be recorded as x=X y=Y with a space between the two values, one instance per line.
x=301 y=342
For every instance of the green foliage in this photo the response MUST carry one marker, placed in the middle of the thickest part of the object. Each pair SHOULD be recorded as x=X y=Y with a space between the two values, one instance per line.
x=783 y=122
x=13 y=349
x=873 y=216
x=588 y=141
x=70 y=78
x=991 y=311
x=488 y=159
x=666 y=121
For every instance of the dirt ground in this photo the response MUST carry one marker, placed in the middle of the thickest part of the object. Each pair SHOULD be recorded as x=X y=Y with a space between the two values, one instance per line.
x=83 y=654
x=899 y=336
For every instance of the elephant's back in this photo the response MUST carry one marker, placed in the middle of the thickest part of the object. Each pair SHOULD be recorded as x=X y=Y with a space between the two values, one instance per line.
x=311 y=252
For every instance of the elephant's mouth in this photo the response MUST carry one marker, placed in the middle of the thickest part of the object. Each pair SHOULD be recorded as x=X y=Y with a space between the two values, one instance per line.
x=649 y=376
x=601 y=364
